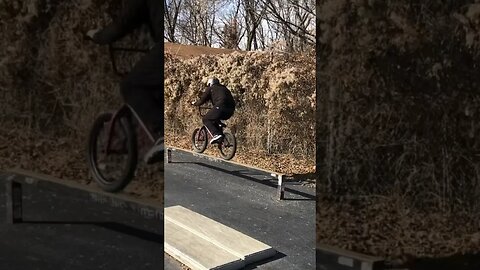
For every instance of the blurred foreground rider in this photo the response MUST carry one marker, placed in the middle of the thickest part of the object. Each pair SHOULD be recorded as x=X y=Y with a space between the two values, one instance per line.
x=142 y=88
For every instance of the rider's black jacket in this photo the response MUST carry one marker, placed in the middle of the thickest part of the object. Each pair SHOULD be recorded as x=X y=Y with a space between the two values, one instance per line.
x=134 y=14
x=219 y=95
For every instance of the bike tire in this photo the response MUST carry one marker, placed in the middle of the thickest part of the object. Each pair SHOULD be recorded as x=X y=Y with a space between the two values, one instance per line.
x=128 y=172
x=229 y=142
x=199 y=146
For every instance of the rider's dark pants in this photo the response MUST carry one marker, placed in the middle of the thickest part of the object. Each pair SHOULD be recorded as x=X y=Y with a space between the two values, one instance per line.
x=142 y=89
x=214 y=115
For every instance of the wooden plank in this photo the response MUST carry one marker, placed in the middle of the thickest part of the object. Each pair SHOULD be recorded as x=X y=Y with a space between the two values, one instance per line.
x=196 y=252
x=235 y=242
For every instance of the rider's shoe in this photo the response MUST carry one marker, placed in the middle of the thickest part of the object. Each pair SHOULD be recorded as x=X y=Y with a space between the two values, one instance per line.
x=156 y=153
x=216 y=139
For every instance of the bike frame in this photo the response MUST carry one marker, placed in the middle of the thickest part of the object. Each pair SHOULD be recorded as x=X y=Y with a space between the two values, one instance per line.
x=209 y=134
x=126 y=110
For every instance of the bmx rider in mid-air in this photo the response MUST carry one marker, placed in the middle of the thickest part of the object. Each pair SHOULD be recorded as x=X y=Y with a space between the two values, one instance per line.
x=142 y=87
x=223 y=107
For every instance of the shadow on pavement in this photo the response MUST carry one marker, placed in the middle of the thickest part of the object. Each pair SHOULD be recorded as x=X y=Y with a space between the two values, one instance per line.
x=272 y=183
x=277 y=256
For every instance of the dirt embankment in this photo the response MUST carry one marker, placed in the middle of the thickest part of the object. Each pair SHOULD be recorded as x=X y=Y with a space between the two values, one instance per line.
x=188 y=51
x=398 y=126
x=275 y=95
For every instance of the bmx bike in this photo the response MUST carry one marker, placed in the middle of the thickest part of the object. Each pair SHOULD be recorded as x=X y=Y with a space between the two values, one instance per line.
x=227 y=146
x=115 y=141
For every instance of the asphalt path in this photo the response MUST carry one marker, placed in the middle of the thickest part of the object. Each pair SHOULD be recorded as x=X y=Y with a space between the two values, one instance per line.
x=245 y=199
x=64 y=228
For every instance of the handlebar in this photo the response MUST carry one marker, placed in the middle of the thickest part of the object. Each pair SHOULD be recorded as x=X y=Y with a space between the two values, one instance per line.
x=112 y=50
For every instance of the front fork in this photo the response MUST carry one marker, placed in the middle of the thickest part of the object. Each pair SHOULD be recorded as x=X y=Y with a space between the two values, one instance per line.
x=124 y=111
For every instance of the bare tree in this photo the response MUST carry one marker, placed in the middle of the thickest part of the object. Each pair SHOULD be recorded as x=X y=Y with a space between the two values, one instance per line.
x=231 y=34
x=295 y=19
x=246 y=24
x=231 y=31
x=189 y=22
x=254 y=13
x=198 y=20
x=172 y=11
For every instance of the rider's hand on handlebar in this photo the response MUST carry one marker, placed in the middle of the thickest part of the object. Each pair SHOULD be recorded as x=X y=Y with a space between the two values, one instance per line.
x=91 y=33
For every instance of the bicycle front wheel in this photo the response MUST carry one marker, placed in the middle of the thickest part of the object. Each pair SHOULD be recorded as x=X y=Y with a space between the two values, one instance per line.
x=228 y=145
x=112 y=168
x=199 y=139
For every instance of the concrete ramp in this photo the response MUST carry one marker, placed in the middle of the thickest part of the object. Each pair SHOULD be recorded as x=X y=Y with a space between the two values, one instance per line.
x=202 y=243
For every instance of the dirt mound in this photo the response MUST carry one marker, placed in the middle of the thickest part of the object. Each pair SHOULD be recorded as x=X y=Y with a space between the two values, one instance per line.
x=398 y=126
x=274 y=92
x=401 y=100
x=190 y=51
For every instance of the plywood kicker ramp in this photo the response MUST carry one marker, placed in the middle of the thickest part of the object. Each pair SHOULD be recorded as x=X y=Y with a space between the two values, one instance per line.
x=202 y=243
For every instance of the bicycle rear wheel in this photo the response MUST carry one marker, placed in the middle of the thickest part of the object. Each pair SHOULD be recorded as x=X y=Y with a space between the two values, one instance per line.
x=228 y=145
x=115 y=168
x=199 y=139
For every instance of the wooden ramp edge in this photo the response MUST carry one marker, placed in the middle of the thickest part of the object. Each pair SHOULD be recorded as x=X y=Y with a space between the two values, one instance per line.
x=219 y=236
x=345 y=259
x=146 y=207
x=196 y=252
